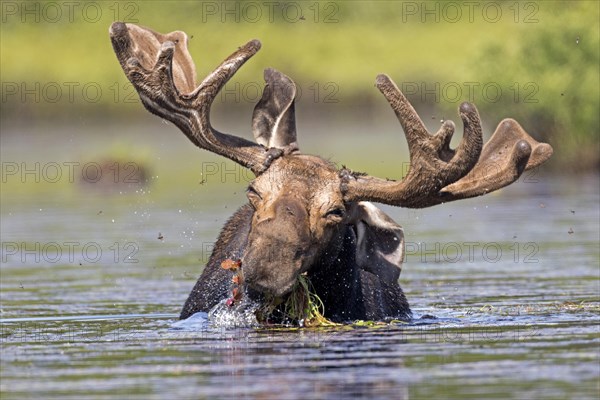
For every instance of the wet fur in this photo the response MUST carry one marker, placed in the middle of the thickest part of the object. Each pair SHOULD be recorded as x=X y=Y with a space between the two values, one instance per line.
x=347 y=291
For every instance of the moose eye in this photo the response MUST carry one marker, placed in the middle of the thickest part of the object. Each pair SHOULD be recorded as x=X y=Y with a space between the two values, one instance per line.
x=252 y=193
x=336 y=213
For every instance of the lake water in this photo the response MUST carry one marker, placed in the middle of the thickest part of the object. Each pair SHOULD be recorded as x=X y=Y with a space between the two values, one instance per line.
x=504 y=288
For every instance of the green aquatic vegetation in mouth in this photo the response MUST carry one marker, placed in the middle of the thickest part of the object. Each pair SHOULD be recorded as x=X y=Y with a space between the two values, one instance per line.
x=301 y=306
x=305 y=306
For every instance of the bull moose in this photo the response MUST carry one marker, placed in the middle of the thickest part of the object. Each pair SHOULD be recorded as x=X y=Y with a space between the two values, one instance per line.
x=305 y=215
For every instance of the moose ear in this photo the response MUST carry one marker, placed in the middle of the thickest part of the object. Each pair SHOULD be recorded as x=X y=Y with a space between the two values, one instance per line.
x=274 y=117
x=379 y=242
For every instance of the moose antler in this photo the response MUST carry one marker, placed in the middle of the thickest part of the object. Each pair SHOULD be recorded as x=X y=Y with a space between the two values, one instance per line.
x=163 y=73
x=438 y=174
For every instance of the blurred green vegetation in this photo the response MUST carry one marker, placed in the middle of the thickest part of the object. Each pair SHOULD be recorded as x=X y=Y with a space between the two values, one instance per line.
x=562 y=58
x=535 y=61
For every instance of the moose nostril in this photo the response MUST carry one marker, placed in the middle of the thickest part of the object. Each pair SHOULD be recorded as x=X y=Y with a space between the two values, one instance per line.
x=249 y=279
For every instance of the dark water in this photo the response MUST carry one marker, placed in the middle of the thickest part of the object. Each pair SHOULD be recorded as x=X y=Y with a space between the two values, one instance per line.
x=508 y=285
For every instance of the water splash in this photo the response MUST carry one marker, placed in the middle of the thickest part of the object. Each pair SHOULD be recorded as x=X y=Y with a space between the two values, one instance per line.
x=239 y=315
x=195 y=322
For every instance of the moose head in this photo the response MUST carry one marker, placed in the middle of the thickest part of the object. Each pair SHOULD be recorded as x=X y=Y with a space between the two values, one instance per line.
x=304 y=213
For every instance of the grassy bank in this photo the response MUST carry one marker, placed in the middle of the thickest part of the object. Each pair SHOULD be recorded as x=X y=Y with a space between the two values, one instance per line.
x=535 y=61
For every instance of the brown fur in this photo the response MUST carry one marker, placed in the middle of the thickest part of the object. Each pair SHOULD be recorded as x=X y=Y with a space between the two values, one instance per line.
x=305 y=216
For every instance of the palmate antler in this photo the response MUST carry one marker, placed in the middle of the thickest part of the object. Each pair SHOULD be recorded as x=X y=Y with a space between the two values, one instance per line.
x=439 y=174
x=163 y=73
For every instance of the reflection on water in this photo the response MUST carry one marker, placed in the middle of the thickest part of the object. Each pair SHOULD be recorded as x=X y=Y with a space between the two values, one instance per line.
x=504 y=291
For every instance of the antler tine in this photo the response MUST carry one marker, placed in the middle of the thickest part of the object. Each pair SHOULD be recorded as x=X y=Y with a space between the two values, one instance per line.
x=457 y=163
x=163 y=73
x=217 y=79
x=413 y=126
x=469 y=149
x=500 y=164
x=500 y=175
x=439 y=174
